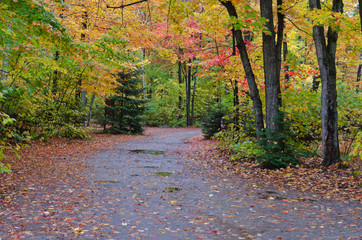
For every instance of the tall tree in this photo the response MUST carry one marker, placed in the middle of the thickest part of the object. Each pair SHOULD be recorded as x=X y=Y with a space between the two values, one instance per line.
x=326 y=54
x=272 y=50
x=253 y=88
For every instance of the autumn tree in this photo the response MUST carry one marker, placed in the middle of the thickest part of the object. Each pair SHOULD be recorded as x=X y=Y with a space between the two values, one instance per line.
x=272 y=46
x=326 y=53
x=253 y=88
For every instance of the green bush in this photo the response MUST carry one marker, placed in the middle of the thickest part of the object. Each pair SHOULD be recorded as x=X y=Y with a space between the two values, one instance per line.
x=357 y=147
x=277 y=146
x=73 y=132
x=7 y=134
x=237 y=141
x=304 y=119
x=212 y=121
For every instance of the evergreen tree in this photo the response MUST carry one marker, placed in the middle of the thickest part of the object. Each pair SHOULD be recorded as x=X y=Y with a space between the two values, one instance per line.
x=123 y=111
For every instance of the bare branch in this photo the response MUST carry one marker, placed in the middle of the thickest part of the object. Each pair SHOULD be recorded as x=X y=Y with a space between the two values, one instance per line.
x=290 y=20
x=127 y=5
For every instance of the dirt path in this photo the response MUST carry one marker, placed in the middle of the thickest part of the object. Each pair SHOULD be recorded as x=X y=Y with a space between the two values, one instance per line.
x=145 y=189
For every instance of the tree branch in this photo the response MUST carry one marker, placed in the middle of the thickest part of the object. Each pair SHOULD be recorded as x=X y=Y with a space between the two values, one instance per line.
x=290 y=20
x=127 y=5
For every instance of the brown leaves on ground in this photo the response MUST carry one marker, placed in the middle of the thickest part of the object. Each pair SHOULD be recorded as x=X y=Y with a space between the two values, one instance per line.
x=309 y=177
x=44 y=162
x=58 y=159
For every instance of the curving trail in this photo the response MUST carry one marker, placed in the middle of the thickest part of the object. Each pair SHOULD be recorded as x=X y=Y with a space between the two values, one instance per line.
x=146 y=189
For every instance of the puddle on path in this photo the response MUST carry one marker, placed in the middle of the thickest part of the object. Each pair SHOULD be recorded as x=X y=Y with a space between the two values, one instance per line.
x=271 y=195
x=173 y=189
x=163 y=174
x=150 y=166
x=105 y=182
x=148 y=152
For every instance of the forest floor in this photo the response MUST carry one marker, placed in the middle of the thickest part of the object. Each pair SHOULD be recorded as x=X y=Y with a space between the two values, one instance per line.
x=170 y=184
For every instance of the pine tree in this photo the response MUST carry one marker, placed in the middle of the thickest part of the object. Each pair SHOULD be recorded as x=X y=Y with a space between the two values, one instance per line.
x=123 y=111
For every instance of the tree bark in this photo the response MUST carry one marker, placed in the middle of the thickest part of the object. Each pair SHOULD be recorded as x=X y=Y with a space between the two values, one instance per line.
x=143 y=75
x=188 y=95
x=4 y=74
x=327 y=66
x=91 y=109
x=272 y=61
x=193 y=98
x=286 y=66
x=56 y=76
x=180 y=83
x=253 y=88
x=358 y=76
x=4 y=70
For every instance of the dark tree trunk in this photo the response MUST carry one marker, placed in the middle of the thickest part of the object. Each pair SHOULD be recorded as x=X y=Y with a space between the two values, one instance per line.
x=56 y=76
x=188 y=95
x=91 y=109
x=315 y=83
x=236 y=93
x=328 y=74
x=81 y=94
x=286 y=66
x=358 y=76
x=180 y=82
x=253 y=88
x=272 y=61
x=193 y=98
x=84 y=25
x=235 y=86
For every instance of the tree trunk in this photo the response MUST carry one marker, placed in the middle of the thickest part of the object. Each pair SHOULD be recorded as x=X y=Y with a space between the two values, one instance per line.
x=235 y=86
x=358 y=76
x=254 y=92
x=188 y=95
x=272 y=61
x=315 y=83
x=143 y=75
x=91 y=110
x=4 y=74
x=56 y=76
x=286 y=66
x=193 y=98
x=84 y=25
x=328 y=74
x=180 y=83
x=4 y=70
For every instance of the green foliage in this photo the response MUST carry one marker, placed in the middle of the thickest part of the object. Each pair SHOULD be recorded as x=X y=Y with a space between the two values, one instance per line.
x=239 y=143
x=213 y=120
x=304 y=119
x=277 y=146
x=167 y=105
x=349 y=118
x=73 y=132
x=163 y=109
x=6 y=134
x=42 y=108
x=357 y=147
x=124 y=109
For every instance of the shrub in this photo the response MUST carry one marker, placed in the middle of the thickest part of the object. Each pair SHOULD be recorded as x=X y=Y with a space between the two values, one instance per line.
x=212 y=121
x=238 y=142
x=357 y=147
x=277 y=150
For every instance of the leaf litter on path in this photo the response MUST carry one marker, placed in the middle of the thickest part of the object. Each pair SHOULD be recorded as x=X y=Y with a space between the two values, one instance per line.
x=51 y=195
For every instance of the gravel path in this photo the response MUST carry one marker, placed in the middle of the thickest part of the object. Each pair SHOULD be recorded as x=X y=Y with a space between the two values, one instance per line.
x=160 y=197
x=146 y=189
